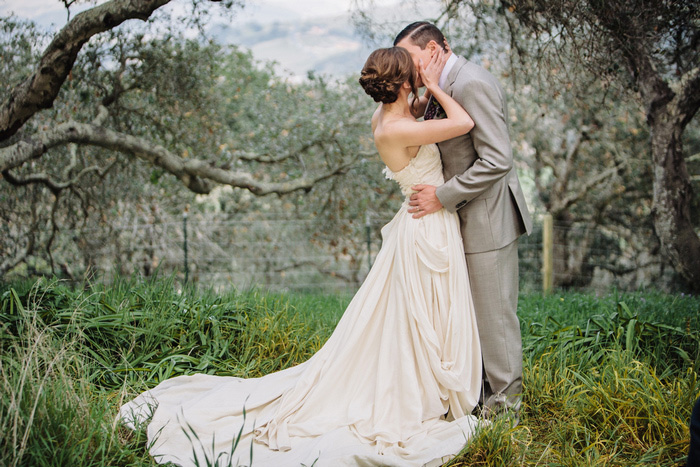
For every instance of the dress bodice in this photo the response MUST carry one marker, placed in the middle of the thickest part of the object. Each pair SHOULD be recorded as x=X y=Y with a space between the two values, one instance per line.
x=425 y=168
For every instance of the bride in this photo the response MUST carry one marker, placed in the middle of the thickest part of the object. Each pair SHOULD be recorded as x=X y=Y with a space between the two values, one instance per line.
x=397 y=380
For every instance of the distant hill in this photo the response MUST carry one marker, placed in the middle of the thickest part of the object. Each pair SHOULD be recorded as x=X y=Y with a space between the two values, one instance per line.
x=328 y=45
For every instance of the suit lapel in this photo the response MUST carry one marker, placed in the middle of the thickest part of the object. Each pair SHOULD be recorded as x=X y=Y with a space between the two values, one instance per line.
x=454 y=72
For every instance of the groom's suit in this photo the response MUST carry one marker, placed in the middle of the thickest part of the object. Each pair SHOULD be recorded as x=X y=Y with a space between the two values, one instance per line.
x=482 y=186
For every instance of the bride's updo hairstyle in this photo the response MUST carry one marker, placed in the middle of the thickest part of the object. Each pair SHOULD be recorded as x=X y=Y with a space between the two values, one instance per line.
x=385 y=71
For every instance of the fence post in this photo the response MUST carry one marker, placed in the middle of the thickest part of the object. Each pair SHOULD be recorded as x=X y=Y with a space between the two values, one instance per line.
x=184 y=243
x=547 y=253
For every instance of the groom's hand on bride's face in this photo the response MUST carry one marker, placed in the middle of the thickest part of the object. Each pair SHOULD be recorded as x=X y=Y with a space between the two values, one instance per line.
x=424 y=201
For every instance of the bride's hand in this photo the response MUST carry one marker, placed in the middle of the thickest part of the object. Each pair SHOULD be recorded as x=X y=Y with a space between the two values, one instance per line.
x=430 y=73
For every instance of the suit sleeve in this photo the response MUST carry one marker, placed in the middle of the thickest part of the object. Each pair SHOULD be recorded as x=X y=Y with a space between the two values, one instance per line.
x=491 y=142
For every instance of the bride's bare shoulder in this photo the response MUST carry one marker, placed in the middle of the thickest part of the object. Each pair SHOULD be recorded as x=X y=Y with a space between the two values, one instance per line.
x=392 y=150
x=398 y=128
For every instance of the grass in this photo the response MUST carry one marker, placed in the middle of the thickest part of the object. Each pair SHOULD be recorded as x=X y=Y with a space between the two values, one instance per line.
x=609 y=381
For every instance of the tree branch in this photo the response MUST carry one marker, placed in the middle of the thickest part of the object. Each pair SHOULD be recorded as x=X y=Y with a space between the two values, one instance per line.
x=566 y=202
x=547 y=161
x=30 y=236
x=197 y=175
x=53 y=185
x=569 y=159
x=268 y=159
x=40 y=89
x=655 y=91
x=688 y=95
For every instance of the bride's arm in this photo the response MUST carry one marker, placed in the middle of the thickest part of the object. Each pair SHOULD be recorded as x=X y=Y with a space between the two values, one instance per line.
x=430 y=75
x=418 y=107
x=433 y=70
x=407 y=132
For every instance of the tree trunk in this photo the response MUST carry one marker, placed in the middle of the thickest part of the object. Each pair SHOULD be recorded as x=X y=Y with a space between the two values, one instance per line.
x=672 y=200
x=572 y=249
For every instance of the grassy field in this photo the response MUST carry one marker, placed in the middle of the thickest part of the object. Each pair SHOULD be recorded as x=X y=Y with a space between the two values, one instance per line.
x=609 y=380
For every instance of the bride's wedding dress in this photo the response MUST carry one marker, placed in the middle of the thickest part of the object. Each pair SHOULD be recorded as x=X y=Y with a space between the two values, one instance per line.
x=394 y=385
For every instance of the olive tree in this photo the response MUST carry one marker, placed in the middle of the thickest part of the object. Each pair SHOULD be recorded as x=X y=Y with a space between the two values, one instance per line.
x=107 y=121
x=651 y=50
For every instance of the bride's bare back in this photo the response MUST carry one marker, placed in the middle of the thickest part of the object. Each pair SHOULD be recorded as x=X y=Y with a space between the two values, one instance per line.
x=398 y=135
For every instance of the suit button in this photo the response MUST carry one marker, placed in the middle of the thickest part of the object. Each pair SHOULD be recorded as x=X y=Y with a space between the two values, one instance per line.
x=461 y=204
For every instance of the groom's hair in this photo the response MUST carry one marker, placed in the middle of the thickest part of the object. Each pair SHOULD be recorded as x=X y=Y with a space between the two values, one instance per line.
x=420 y=33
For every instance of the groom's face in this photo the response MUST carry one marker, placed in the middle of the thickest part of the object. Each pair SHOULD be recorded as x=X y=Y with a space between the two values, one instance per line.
x=418 y=54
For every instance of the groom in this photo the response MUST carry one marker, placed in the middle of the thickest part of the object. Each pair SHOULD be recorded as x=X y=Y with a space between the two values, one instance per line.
x=482 y=187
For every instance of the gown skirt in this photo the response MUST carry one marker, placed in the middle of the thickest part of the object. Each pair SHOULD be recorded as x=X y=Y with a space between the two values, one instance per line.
x=394 y=385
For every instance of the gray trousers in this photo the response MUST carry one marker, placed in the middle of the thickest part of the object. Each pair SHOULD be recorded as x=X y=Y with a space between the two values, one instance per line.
x=494 y=283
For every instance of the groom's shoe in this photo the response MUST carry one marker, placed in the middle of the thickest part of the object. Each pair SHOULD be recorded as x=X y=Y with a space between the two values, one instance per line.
x=499 y=405
x=490 y=414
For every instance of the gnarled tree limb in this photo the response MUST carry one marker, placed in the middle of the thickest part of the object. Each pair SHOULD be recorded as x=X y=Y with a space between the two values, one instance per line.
x=54 y=185
x=40 y=89
x=688 y=97
x=197 y=175
x=561 y=205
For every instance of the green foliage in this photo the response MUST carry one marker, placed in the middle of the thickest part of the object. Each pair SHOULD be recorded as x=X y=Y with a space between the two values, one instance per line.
x=500 y=443
x=50 y=413
x=658 y=327
x=68 y=355
x=143 y=332
x=197 y=99
x=609 y=381
x=21 y=39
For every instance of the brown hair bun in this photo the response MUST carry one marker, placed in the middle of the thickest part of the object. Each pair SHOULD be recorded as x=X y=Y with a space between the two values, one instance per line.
x=385 y=71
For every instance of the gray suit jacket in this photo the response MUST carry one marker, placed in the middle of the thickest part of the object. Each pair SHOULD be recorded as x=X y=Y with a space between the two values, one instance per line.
x=480 y=181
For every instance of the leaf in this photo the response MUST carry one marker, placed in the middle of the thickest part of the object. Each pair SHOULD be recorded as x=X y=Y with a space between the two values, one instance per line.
x=629 y=338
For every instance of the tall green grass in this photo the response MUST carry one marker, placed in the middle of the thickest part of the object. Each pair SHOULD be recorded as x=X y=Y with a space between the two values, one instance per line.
x=50 y=412
x=608 y=380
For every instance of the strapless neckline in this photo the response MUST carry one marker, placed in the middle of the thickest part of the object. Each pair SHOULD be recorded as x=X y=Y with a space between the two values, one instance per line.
x=425 y=168
x=391 y=174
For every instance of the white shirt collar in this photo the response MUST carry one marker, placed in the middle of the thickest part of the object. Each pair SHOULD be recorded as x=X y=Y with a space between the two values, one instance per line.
x=446 y=70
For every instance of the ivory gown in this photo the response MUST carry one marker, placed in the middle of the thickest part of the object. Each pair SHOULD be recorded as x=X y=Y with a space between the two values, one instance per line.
x=405 y=352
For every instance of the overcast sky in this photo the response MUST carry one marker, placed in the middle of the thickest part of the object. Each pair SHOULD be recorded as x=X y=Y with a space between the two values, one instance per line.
x=47 y=12
x=305 y=53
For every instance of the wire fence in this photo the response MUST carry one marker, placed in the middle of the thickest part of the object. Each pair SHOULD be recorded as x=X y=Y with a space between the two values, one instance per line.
x=282 y=254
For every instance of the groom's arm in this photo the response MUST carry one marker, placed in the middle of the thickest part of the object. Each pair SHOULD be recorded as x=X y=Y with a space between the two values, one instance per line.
x=491 y=141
